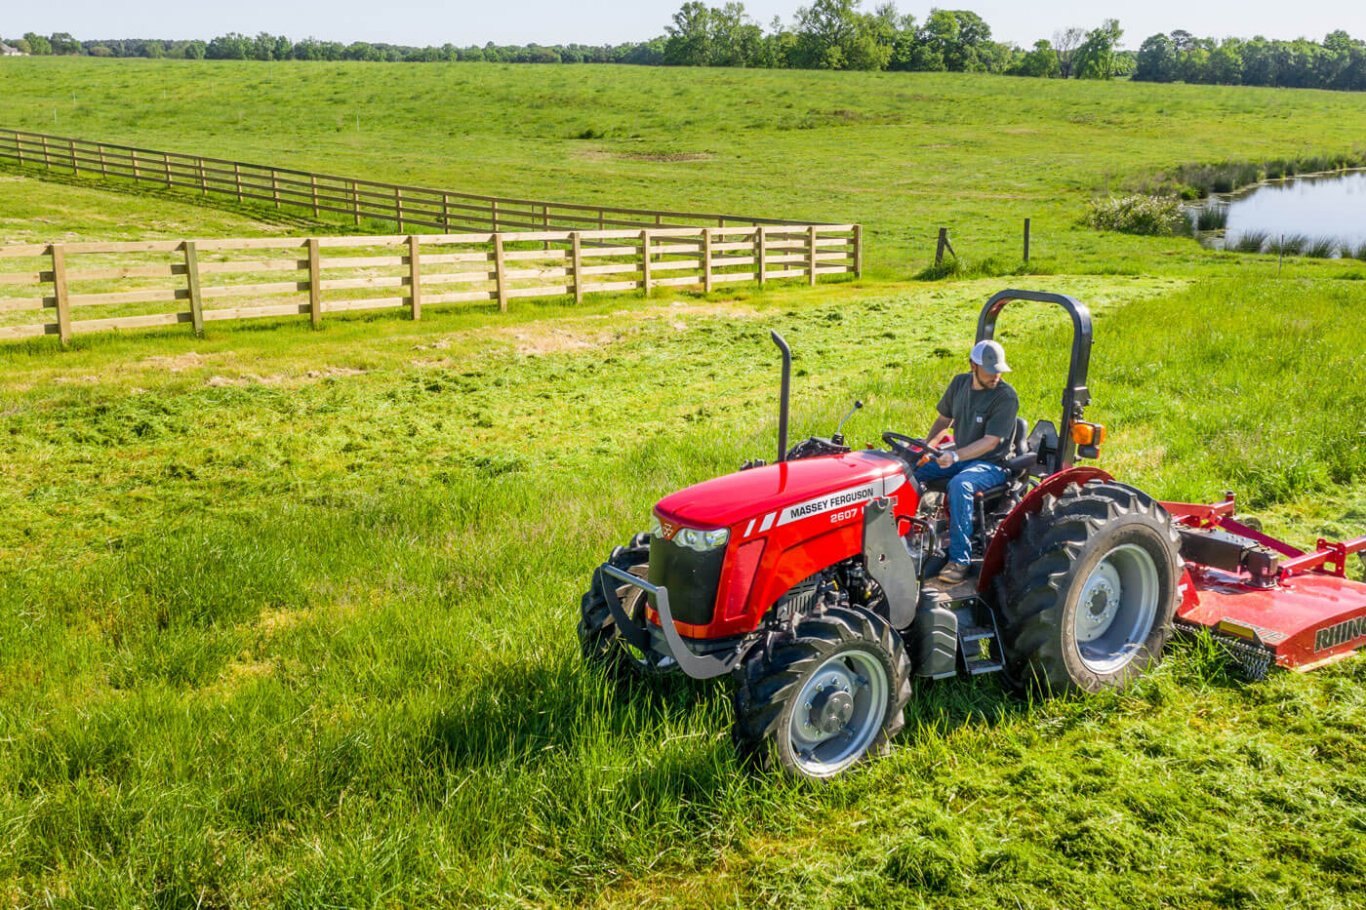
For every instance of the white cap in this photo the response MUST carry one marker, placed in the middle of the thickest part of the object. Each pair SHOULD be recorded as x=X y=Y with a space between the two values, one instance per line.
x=990 y=356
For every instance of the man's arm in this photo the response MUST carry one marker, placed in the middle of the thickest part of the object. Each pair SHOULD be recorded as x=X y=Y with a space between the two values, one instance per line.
x=975 y=450
x=941 y=423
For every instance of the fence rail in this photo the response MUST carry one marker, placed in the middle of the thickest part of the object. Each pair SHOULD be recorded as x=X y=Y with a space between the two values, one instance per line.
x=47 y=289
x=408 y=207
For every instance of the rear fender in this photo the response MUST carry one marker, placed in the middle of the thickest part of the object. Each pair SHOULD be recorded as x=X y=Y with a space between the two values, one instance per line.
x=1052 y=485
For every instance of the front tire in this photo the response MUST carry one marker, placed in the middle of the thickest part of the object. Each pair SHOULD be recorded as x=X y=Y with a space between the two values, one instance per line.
x=600 y=640
x=1092 y=589
x=818 y=702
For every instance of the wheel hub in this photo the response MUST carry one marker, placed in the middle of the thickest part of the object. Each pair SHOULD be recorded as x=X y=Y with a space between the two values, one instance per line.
x=831 y=710
x=1100 y=601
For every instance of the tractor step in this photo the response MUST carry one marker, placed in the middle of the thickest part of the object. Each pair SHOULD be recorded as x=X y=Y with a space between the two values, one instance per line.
x=977 y=666
x=975 y=633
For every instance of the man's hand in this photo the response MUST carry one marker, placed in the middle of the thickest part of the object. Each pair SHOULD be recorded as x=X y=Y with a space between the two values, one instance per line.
x=947 y=460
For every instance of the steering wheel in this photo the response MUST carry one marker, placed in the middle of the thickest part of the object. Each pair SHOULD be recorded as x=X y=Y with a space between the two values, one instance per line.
x=910 y=448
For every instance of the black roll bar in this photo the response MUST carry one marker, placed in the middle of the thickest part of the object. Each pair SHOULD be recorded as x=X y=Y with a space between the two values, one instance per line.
x=1076 y=396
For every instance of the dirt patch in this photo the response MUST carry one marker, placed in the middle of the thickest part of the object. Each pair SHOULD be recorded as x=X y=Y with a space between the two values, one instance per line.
x=334 y=372
x=219 y=382
x=176 y=364
x=555 y=341
x=662 y=157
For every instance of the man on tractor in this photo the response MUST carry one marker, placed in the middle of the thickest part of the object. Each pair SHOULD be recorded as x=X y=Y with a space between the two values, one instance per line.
x=981 y=408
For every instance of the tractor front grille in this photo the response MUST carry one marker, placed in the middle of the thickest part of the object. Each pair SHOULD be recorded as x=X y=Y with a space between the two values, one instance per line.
x=692 y=578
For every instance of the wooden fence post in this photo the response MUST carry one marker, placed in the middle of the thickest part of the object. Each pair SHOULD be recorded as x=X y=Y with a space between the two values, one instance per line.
x=415 y=277
x=166 y=170
x=75 y=167
x=275 y=186
x=237 y=180
x=811 y=253
x=939 y=247
x=1026 y=241
x=313 y=192
x=761 y=243
x=645 y=279
x=104 y=166
x=493 y=215
x=355 y=203
x=706 y=260
x=133 y=158
x=315 y=284
x=19 y=147
x=60 y=292
x=446 y=212
x=203 y=178
x=192 y=282
x=577 y=242
x=498 y=276
x=47 y=160
x=398 y=208
x=858 y=251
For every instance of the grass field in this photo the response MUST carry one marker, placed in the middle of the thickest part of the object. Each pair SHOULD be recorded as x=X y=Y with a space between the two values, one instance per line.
x=901 y=152
x=287 y=617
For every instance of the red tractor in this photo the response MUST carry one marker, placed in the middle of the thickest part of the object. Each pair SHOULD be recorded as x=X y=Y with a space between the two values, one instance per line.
x=807 y=581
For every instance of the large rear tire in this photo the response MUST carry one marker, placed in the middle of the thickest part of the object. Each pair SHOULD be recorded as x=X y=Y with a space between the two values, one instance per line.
x=600 y=640
x=818 y=702
x=1091 y=589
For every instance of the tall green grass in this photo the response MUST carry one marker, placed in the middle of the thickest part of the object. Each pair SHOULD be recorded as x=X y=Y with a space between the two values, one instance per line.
x=903 y=153
x=293 y=623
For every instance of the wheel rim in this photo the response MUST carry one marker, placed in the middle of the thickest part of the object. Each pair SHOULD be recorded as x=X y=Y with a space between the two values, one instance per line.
x=1117 y=608
x=838 y=712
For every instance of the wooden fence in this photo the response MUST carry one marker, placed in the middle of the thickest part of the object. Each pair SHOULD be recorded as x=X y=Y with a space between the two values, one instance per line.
x=46 y=289
x=408 y=207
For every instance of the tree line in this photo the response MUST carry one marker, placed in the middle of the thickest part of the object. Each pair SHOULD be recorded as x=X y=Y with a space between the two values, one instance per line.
x=828 y=34
x=1338 y=63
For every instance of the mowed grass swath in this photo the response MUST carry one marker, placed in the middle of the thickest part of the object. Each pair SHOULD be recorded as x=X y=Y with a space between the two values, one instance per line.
x=902 y=153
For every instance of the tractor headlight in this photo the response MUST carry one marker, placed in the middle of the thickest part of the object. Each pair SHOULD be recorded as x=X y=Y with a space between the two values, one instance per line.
x=693 y=539
x=702 y=541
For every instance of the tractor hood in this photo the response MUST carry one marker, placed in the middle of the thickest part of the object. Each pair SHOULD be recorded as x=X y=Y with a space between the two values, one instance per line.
x=779 y=493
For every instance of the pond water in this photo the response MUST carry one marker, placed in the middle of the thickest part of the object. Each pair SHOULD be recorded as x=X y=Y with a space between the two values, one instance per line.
x=1331 y=206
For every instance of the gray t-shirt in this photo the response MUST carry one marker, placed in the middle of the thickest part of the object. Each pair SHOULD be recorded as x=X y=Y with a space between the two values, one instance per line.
x=981 y=412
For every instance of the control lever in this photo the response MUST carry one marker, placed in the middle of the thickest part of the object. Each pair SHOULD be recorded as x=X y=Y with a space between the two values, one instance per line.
x=838 y=438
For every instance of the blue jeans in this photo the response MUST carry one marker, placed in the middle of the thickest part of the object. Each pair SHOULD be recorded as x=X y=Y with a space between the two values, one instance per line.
x=967 y=478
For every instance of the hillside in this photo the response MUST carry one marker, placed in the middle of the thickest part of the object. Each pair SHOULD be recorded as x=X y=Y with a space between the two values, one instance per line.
x=901 y=152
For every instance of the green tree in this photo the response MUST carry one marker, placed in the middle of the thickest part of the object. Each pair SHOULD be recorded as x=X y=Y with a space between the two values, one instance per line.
x=38 y=45
x=64 y=45
x=1042 y=61
x=1156 y=60
x=195 y=50
x=690 y=36
x=1096 y=55
x=232 y=46
x=1226 y=63
x=833 y=34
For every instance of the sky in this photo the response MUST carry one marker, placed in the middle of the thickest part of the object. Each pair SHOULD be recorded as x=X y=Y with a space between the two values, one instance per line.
x=461 y=22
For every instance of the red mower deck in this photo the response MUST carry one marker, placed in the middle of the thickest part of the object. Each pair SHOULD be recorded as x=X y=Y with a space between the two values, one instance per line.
x=1296 y=609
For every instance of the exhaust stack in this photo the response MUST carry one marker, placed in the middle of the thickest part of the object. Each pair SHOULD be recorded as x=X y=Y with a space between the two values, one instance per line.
x=784 y=394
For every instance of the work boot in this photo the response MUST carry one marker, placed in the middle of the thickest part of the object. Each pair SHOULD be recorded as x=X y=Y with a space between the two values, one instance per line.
x=952 y=573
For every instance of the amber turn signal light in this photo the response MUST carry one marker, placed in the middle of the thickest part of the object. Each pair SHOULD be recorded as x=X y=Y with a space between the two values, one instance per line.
x=1088 y=434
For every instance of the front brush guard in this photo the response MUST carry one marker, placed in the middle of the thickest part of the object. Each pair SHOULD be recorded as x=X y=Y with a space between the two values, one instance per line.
x=698 y=666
